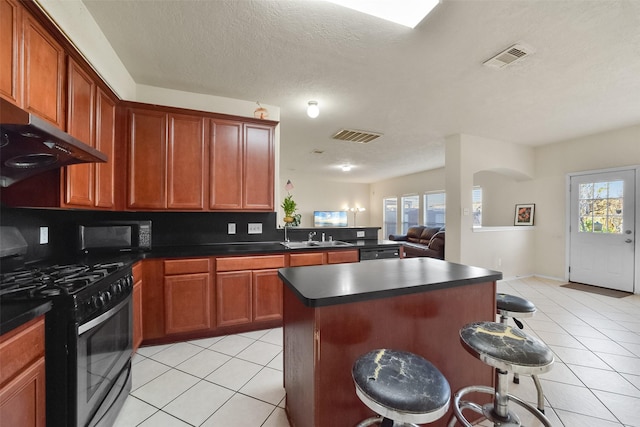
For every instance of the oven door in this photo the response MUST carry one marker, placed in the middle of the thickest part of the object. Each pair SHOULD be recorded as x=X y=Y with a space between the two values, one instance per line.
x=104 y=350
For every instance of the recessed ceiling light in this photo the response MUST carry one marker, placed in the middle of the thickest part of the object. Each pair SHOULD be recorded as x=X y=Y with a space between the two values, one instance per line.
x=346 y=168
x=404 y=12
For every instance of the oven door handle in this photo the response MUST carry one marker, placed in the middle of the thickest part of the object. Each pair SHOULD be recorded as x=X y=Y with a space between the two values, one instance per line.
x=100 y=319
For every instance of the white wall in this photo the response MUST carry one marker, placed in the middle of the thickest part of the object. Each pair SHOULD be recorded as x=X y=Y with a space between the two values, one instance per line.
x=312 y=194
x=617 y=148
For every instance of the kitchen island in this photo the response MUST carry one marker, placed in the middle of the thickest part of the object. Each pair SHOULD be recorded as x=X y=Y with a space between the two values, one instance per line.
x=335 y=313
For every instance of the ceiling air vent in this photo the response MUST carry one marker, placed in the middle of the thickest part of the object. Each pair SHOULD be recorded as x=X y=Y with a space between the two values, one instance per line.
x=509 y=56
x=356 y=135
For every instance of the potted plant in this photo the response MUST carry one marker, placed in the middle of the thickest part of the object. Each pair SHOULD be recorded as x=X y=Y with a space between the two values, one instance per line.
x=289 y=206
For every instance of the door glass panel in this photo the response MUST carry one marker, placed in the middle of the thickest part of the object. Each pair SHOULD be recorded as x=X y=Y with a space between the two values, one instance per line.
x=600 y=207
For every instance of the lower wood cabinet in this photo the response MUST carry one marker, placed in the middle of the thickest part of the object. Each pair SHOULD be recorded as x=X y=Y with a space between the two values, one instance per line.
x=22 y=376
x=187 y=295
x=187 y=298
x=248 y=289
x=137 y=305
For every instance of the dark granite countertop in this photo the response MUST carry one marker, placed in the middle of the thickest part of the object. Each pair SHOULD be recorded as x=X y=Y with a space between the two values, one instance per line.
x=254 y=248
x=324 y=285
x=16 y=313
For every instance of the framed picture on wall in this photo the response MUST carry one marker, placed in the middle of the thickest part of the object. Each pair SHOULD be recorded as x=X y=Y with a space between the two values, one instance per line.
x=524 y=214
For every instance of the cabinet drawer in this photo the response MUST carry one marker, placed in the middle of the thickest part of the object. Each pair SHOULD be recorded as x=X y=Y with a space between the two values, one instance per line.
x=313 y=258
x=249 y=263
x=21 y=347
x=186 y=266
x=339 y=257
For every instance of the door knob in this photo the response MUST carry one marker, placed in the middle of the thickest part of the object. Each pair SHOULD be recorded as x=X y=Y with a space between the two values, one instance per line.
x=628 y=241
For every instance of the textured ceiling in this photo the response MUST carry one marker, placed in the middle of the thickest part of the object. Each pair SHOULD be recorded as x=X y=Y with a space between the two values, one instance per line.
x=414 y=86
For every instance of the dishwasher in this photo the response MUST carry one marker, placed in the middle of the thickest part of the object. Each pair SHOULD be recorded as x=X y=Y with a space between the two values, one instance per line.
x=379 y=253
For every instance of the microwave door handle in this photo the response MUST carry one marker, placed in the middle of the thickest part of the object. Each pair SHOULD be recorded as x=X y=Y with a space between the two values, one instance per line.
x=100 y=319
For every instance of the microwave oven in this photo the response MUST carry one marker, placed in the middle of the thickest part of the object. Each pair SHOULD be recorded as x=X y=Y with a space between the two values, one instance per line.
x=115 y=236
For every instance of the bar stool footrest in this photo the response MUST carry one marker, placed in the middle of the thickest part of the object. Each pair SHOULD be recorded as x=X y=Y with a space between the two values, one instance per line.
x=487 y=412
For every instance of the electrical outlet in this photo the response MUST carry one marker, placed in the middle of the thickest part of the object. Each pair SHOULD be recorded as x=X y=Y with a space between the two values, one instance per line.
x=360 y=233
x=44 y=235
x=255 y=228
x=231 y=228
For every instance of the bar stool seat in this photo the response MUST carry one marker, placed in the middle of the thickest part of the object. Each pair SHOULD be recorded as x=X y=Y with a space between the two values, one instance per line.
x=513 y=306
x=507 y=350
x=400 y=387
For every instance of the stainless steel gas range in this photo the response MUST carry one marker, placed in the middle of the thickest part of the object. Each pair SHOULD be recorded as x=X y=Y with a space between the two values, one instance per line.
x=88 y=337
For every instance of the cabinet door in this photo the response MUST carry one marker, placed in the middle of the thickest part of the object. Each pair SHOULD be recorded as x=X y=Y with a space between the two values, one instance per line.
x=267 y=295
x=22 y=400
x=187 y=162
x=187 y=306
x=258 y=167
x=10 y=64
x=225 y=165
x=233 y=297
x=147 y=159
x=137 y=314
x=79 y=185
x=43 y=71
x=106 y=143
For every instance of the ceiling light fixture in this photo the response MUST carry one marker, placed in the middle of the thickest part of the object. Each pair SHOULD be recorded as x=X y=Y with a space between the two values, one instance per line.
x=346 y=168
x=404 y=12
x=312 y=109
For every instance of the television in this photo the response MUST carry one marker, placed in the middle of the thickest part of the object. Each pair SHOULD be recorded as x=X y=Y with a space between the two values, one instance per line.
x=330 y=219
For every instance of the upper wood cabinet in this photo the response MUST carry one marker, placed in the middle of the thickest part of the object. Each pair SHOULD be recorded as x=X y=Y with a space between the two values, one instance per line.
x=193 y=163
x=147 y=159
x=226 y=163
x=43 y=71
x=10 y=52
x=242 y=163
x=91 y=117
x=167 y=161
x=187 y=163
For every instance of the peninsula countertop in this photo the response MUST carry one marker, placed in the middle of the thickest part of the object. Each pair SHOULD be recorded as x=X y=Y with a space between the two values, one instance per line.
x=324 y=285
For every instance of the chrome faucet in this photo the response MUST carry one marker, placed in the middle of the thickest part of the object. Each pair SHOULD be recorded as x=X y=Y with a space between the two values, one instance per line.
x=311 y=234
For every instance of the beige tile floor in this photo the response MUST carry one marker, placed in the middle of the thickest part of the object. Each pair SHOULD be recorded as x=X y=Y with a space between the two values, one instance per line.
x=236 y=380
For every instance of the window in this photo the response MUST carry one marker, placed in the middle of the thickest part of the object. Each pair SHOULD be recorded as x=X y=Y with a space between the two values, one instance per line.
x=390 y=215
x=600 y=206
x=477 y=206
x=410 y=211
x=434 y=209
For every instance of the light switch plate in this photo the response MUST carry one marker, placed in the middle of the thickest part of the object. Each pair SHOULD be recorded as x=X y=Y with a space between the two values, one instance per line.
x=44 y=235
x=360 y=233
x=255 y=228
x=231 y=228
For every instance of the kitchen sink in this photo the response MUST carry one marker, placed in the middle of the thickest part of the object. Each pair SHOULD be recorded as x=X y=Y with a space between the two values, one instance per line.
x=314 y=244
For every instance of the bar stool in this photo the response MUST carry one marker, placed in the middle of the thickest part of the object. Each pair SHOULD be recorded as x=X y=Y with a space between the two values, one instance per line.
x=403 y=388
x=507 y=350
x=511 y=306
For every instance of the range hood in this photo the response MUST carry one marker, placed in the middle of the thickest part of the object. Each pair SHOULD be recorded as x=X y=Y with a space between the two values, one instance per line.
x=30 y=145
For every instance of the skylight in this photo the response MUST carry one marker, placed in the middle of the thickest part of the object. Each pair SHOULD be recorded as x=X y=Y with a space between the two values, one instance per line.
x=404 y=12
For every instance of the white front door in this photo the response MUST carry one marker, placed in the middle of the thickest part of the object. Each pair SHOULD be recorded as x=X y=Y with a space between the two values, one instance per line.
x=602 y=233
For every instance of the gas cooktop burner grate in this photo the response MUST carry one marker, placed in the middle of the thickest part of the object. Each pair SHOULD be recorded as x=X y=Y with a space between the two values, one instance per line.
x=43 y=282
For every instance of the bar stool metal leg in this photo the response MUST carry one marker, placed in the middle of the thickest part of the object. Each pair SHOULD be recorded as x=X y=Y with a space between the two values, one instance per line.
x=508 y=307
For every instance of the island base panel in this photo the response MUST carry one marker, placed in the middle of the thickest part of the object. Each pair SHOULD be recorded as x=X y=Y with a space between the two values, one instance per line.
x=321 y=345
